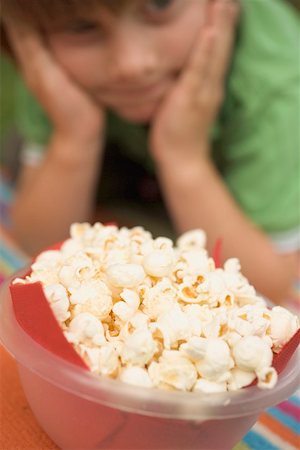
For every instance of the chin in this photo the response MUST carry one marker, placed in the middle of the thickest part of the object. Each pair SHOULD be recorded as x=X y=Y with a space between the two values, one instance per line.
x=138 y=114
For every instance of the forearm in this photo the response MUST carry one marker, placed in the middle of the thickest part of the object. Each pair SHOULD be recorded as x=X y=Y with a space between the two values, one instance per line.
x=198 y=198
x=60 y=192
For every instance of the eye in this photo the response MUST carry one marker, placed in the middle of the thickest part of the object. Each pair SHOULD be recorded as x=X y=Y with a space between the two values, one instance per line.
x=158 y=5
x=160 y=10
x=82 y=27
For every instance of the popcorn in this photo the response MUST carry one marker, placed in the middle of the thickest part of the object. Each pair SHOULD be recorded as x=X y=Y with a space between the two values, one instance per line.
x=125 y=275
x=173 y=371
x=216 y=326
x=194 y=348
x=78 y=230
x=136 y=376
x=47 y=260
x=44 y=268
x=78 y=268
x=86 y=327
x=158 y=263
x=103 y=360
x=283 y=325
x=250 y=320
x=217 y=361
x=232 y=265
x=127 y=308
x=213 y=289
x=159 y=299
x=70 y=247
x=192 y=239
x=252 y=353
x=108 y=360
x=117 y=256
x=138 y=348
x=194 y=317
x=93 y=297
x=157 y=315
x=232 y=337
x=58 y=297
x=162 y=243
x=240 y=378
x=193 y=263
x=187 y=291
x=209 y=387
x=174 y=326
x=267 y=377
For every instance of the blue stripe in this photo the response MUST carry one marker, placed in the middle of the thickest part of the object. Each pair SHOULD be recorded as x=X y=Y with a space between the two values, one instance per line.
x=294 y=399
x=256 y=441
x=284 y=418
x=6 y=193
x=14 y=261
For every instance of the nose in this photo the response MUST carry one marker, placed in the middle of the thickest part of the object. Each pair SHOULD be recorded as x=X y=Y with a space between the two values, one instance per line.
x=132 y=57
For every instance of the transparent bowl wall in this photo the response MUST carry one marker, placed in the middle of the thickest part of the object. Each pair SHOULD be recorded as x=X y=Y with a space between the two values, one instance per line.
x=81 y=411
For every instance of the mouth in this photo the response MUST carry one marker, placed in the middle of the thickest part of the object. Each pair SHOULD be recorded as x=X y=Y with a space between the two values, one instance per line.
x=134 y=94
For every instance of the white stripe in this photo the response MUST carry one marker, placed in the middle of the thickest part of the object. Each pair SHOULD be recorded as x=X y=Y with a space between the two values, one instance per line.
x=297 y=394
x=32 y=154
x=286 y=241
x=272 y=438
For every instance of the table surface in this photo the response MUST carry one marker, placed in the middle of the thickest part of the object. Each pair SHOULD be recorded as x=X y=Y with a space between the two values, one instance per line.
x=277 y=429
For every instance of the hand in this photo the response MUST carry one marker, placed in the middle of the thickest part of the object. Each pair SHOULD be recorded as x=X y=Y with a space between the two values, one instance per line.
x=73 y=113
x=182 y=124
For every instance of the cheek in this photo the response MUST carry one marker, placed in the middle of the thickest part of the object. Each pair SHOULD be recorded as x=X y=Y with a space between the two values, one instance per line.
x=81 y=63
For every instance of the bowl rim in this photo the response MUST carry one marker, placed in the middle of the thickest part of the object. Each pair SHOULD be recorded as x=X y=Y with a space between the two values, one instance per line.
x=147 y=401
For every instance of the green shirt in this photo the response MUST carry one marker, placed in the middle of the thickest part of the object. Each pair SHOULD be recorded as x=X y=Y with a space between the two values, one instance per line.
x=256 y=141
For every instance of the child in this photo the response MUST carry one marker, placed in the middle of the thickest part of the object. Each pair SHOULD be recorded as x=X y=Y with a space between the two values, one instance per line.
x=215 y=89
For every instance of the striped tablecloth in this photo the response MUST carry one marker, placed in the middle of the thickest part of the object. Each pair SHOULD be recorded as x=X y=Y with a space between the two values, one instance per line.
x=277 y=429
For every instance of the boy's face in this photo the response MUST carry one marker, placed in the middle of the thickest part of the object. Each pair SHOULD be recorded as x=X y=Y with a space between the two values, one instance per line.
x=129 y=61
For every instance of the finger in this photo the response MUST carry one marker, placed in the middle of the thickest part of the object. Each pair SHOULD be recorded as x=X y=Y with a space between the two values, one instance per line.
x=28 y=47
x=198 y=65
x=39 y=69
x=224 y=18
x=196 y=69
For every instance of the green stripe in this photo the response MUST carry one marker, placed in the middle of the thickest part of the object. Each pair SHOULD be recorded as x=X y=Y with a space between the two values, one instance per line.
x=241 y=446
x=10 y=258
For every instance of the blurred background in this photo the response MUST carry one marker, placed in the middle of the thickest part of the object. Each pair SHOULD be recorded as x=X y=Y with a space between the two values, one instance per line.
x=10 y=134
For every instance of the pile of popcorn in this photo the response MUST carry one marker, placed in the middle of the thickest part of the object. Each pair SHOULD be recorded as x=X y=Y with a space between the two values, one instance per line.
x=153 y=314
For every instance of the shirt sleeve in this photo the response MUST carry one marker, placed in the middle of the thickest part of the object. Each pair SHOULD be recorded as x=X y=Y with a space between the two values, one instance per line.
x=260 y=140
x=263 y=168
x=32 y=122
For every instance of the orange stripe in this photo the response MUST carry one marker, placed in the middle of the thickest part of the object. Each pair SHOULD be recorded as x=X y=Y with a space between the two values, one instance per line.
x=279 y=429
